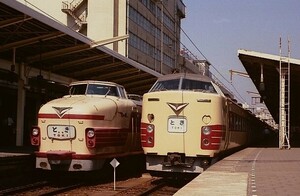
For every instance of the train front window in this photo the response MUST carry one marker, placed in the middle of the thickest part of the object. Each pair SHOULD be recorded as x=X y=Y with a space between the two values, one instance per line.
x=77 y=89
x=93 y=89
x=166 y=85
x=98 y=89
x=194 y=85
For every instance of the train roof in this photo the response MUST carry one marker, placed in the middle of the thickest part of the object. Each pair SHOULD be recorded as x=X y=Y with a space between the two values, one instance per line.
x=95 y=82
x=191 y=76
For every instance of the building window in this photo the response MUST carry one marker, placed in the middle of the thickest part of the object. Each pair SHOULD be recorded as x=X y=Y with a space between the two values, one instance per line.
x=169 y=61
x=168 y=22
x=141 y=45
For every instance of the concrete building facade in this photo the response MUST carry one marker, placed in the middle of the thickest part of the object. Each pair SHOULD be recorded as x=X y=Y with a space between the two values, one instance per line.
x=153 y=26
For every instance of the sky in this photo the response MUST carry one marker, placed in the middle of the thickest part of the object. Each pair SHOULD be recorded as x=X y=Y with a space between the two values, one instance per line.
x=219 y=28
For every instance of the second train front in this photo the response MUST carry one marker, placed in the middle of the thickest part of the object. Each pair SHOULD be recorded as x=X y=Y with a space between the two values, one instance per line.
x=183 y=124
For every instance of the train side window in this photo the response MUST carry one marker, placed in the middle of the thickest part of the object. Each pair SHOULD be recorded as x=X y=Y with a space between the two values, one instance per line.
x=122 y=92
x=234 y=122
x=239 y=123
x=231 y=124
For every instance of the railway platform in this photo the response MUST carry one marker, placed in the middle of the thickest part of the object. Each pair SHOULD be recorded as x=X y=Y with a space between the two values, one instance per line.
x=253 y=171
x=14 y=159
x=17 y=165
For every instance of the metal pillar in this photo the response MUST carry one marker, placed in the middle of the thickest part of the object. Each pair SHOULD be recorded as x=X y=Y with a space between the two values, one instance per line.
x=20 y=108
x=284 y=102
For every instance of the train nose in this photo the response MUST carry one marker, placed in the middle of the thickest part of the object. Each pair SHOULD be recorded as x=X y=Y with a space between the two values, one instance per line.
x=175 y=159
x=59 y=157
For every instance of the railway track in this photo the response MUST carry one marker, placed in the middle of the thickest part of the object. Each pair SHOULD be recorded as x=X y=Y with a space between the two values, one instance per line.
x=57 y=190
x=165 y=187
x=143 y=185
x=129 y=186
x=22 y=188
x=44 y=188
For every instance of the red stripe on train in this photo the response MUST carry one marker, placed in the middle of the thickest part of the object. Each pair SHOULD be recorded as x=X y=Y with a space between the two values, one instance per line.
x=212 y=141
x=73 y=116
x=62 y=156
x=105 y=137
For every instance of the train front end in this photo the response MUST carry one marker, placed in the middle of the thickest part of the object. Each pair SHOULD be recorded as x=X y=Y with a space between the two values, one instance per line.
x=78 y=132
x=183 y=124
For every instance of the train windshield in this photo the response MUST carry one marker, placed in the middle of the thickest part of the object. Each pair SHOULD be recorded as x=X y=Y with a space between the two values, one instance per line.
x=77 y=89
x=184 y=84
x=166 y=85
x=93 y=89
x=194 y=85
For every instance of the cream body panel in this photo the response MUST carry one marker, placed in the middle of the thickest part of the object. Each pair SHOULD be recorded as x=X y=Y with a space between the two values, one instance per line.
x=116 y=114
x=198 y=106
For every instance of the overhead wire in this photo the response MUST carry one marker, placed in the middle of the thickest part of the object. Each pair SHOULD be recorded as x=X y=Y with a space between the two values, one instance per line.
x=214 y=67
x=202 y=54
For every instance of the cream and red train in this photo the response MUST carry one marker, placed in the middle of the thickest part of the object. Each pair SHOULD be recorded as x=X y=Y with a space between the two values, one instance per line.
x=187 y=121
x=95 y=123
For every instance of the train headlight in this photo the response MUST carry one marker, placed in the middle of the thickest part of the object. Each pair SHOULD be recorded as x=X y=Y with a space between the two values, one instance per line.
x=205 y=142
x=90 y=136
x=90 y=133
x=150 y=140
x=150 y=117
x=206 y=130
x=35 y=136
x=150 y=128
x=35 y=131
x=147 y=135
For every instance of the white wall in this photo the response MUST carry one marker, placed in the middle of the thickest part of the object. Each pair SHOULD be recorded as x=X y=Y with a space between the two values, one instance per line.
x=50 y=8
x=101 y=21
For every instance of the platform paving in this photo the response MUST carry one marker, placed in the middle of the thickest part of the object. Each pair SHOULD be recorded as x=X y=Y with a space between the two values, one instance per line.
x=250 y=172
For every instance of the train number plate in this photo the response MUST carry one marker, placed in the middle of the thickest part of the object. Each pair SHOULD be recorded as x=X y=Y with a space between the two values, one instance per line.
x=177 y=125
x=61 y=132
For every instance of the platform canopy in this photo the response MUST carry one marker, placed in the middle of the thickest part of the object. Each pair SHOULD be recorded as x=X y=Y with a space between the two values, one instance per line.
x=252 y=61
x=38 y=41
